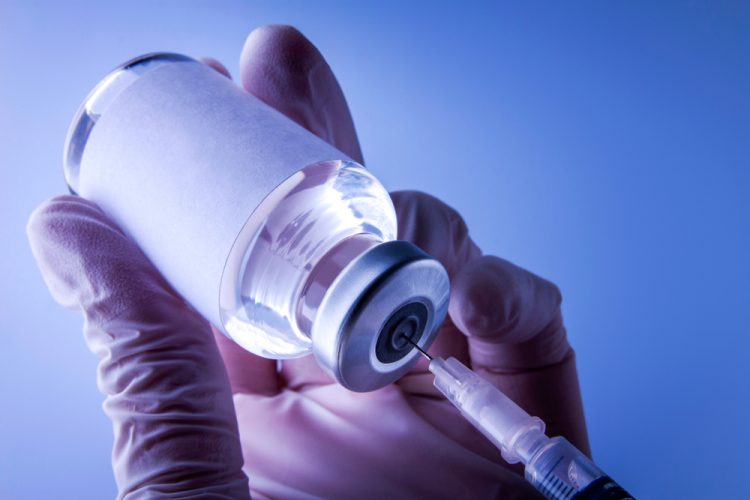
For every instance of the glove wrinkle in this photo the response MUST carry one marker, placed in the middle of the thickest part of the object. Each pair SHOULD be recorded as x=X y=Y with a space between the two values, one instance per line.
x=167 y=393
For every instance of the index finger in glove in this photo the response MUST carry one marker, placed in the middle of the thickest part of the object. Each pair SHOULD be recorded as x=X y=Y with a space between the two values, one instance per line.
x=167 y=393
x=517 y=340
x=511 y=317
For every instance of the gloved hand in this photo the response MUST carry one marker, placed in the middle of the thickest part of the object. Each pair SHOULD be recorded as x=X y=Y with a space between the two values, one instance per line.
x=169 y=389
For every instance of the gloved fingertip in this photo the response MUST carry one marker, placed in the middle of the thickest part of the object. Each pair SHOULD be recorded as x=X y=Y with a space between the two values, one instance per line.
x=278 y=43
x=45 y=218
x=483 y=298
x=282 y=68
x=275 y=65
x=62 y=220
x=87 y=261
x=58 y=230
x=498 y=301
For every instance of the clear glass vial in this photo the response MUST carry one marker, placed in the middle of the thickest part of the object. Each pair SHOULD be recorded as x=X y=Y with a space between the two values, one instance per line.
x=276 y=237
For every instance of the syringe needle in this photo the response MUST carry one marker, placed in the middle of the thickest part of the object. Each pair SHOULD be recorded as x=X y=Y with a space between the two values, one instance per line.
x=409 y=340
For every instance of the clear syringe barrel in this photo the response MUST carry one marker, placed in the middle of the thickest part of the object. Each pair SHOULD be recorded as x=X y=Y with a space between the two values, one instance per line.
x=491 y=411
x=553 y=465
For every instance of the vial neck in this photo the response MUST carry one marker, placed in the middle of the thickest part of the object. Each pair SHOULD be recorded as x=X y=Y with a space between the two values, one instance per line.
x=324 y=273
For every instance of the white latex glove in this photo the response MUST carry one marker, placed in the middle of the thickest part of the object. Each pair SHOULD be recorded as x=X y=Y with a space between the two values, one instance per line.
x=301 y=434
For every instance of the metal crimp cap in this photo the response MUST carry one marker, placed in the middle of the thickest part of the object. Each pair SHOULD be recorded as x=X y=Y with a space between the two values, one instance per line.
x=391 y=292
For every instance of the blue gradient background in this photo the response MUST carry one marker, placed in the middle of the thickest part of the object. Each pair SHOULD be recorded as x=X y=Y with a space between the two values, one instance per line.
x=603 y=145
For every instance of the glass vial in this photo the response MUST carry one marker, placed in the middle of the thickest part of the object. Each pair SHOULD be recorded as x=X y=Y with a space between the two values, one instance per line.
x=276 y=237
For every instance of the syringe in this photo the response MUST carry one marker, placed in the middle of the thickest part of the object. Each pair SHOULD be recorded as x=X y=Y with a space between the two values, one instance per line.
x=554 y=466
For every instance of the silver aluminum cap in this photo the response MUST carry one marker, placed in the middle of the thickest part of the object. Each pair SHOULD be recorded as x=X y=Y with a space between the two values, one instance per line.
x=390 y=292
